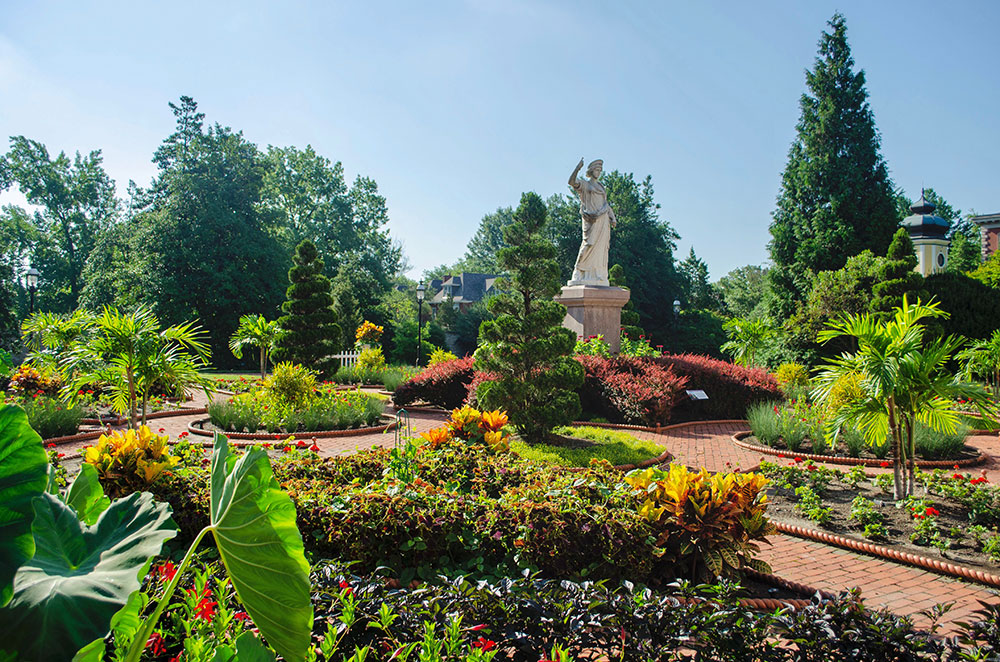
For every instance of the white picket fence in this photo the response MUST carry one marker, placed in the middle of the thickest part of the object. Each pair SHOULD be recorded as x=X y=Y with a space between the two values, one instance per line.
x=348 y=359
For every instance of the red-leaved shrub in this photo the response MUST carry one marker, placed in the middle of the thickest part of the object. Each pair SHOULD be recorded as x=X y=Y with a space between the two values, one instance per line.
x=443 y=385
x=626 y=389
x=731 y=389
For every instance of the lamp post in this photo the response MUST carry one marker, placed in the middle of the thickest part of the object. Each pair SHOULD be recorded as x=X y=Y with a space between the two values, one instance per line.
x=677 y=308
x=32 y=281
x=420 y=308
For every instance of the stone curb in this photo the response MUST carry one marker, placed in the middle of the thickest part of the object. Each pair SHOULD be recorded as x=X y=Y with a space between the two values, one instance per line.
x=267 y=436
x=851 y=461
x=149 y=417
x=906 y=558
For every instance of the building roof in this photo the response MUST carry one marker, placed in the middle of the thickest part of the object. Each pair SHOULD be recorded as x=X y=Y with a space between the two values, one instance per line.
x=466 y=287
x=986 y=219
x=922 y=223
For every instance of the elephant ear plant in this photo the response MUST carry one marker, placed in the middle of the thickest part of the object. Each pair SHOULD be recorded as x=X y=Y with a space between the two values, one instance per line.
x=71 y=565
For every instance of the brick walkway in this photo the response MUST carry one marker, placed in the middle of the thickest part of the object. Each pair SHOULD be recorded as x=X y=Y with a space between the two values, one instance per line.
x=900 y=588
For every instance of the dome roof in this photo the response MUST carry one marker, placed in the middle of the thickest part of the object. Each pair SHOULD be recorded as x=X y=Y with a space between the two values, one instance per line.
x=922 y=222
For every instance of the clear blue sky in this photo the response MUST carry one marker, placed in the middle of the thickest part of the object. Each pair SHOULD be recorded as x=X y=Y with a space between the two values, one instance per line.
x=455 y=108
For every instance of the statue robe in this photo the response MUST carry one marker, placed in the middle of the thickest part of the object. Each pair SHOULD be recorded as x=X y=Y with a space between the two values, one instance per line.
x=596 y=215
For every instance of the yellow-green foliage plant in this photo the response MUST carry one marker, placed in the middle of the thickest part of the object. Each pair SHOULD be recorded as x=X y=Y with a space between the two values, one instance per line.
x=440 y=356
x=291 y=383
x=129 y=461
x=716 y=520
x=370 y=361
x=792 y=375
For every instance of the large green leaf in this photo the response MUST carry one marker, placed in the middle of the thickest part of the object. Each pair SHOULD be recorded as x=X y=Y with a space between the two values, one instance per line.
x=253 y=521
x=23 y=476
x=86 y=496
x=80 y=576
x=124 y=625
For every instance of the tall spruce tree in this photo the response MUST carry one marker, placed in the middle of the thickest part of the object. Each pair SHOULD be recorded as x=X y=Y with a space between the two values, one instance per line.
x=526 y=345
x=836 y=197
x=309 y=330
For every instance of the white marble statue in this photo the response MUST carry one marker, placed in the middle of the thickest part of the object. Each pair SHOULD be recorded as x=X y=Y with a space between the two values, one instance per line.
x=598 y=218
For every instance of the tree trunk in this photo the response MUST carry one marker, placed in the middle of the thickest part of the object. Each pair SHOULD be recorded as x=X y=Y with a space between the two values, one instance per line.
x=911 y=468
x=897 y=452
x=145 y=401
x=263 y=362
x=131 y=399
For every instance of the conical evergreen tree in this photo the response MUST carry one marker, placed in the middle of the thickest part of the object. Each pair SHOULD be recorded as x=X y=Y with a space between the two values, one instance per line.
x=896 y=276
x=309 y=331
x=526 y=345
x=836 y=197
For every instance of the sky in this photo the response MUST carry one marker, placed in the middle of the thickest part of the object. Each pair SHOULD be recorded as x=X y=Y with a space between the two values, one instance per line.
x=457 y=107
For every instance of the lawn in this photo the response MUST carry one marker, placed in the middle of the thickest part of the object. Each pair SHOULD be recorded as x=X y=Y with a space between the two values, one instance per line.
x=582 y=444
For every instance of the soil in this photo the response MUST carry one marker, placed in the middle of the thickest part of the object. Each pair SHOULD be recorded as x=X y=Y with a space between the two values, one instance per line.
x=967 y=452
x=838 y=497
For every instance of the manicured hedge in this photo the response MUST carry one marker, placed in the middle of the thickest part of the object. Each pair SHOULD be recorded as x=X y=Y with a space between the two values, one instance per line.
x=627 y=389
x=442 y=385
x=731 y=389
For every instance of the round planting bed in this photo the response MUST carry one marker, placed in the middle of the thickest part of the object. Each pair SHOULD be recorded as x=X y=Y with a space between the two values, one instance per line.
x=740 y=440
x=907 y=558
x=121 y=420
x=197 y=428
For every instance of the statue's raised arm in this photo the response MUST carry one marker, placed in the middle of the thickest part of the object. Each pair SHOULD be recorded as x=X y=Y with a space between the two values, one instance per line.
x=573 y=181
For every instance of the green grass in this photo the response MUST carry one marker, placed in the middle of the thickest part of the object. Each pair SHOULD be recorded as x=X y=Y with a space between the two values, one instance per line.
x=615 y=446
x=229 y=375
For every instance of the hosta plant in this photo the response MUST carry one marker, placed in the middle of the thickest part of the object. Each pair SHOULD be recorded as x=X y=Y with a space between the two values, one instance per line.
x=715 y=519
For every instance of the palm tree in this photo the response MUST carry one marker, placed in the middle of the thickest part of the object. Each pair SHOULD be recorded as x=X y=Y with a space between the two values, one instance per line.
x=48 y=336
x=747 y=337
x=982 y=359
x=903 y=379
x=128 y=353
x=255 y=331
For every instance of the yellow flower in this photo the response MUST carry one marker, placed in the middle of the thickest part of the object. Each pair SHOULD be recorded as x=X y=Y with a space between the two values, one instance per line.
x=437 y=436
x=497 y=441
x=494 y=420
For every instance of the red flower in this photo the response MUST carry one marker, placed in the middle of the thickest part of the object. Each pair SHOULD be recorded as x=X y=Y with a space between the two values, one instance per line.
x=811 y=467
x=241 y=616
x=484 y=644
x=167 y=570
x=344 y=586
x=301 y=444
x=51 y=446
x=287 y=449
x=314 y=448
x=884 y=464
x=156 y=641
x=956 y=467
x=161 y=430
x=797 y=460
x=206 y=609
x=931 y=511
x=781 y=455
x=182 y=435
x=60 y=456
x=917 y=516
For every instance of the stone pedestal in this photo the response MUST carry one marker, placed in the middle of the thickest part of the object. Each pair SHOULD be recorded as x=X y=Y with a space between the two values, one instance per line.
x=592 y=311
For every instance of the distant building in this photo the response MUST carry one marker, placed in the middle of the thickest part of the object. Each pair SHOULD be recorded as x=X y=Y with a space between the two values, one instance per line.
x=929 y=235
x=462 y=290
x=989 y=232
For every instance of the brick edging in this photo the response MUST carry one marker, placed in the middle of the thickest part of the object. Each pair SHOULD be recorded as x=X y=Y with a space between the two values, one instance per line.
x=83 y=436
x=851 y=461
x=268 y=436
x=121 y=420
x=906 y=558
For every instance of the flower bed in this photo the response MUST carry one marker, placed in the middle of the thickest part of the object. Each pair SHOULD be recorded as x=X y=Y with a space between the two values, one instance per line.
x=955 y=521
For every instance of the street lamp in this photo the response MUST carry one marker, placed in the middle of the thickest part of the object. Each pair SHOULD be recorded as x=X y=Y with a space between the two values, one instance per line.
x=677 y=308
x=32 y=281
x=420 y=307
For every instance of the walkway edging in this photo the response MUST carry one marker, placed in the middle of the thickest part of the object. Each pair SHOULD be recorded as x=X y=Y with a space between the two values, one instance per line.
x=906 y=558
x=268 y=436
x=851 y=461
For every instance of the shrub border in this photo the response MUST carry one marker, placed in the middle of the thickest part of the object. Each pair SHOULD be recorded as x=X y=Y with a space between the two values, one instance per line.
x=843 y=459
x=269 y=436
x=906 y=558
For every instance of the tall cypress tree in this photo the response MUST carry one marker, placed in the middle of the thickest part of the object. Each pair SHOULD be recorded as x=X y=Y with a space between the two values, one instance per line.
x=836 y=197
x=896 y=276
x=526 y=345
x=309 y=331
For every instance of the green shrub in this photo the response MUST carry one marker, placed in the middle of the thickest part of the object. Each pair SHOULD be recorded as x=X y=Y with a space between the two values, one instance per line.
x=854 y=441
x=933 y=445
x=393 y=377
x=765 y=422
x=291 y=383
x=50 y=417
